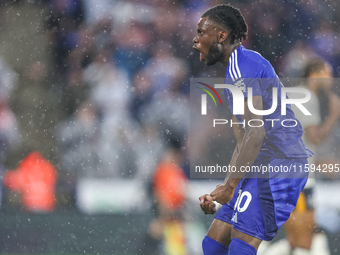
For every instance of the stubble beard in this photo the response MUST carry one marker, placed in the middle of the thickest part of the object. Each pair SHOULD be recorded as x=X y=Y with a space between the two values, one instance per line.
x=214 y=54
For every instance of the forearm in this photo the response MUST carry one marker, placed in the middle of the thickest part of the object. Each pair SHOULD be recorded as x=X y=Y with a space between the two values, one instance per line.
x=233 y=160
x=249 y=151
x=239 y=135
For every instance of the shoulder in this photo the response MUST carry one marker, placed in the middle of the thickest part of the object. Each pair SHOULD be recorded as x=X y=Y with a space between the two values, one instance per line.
x=253 y=63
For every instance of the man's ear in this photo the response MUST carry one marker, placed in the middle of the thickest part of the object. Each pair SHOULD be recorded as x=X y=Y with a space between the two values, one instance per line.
x=222 y=36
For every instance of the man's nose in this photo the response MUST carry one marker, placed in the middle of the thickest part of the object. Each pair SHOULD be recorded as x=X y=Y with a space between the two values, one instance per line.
x=195 y=40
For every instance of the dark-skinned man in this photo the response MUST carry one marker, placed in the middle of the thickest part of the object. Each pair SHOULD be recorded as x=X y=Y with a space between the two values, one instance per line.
x=254 y=206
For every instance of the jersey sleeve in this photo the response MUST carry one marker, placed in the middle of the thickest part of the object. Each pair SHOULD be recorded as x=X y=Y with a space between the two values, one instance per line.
x=253 y=78
x=255 y=84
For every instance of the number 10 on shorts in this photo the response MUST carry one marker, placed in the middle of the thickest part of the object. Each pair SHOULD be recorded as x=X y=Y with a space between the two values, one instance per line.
x=241 y=195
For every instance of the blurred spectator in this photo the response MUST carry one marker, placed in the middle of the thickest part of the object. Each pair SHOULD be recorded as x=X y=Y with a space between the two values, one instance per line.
x=78 y=138
x=296 y=59
x=110 y=86
x=165 y=112
x=116 y=151
x=142 y=95
x=148 y=151
x=325 y=42
x=63 y=24
x=169 y=188
x=325 y=108
x=35 y=179
x=9 y=132
x=165 y=69
x=8 y=81
x=95 y=11
x=133 y=46
x=9 y=129
x=99 y=146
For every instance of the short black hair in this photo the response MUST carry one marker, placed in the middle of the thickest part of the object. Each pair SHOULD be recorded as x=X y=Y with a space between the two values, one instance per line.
x=231 y=19
x=313 y=66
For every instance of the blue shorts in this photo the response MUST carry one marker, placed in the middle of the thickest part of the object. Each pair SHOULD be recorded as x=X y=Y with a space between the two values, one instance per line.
x=263 y=202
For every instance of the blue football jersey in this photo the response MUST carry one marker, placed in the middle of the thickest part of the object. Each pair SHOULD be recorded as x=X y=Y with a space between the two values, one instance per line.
x=248 y=69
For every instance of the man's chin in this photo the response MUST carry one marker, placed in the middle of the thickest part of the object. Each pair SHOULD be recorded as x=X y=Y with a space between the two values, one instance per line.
x=210 y=63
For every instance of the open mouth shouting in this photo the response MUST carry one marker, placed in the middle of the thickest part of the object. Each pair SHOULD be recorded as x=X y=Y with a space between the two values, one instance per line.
x=201 y=55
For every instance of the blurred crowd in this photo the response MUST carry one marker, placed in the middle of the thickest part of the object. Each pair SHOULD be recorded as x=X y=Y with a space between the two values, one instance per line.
x=109 y=98
x=118 y=78
x=123 y=70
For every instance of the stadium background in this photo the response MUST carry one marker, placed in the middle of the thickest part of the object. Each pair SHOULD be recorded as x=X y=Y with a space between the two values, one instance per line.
x=101 y=90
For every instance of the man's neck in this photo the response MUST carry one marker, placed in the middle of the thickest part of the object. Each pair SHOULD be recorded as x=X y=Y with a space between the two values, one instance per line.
x=229 y=51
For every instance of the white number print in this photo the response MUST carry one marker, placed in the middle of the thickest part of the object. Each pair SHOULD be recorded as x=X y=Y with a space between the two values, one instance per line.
x=240 y=199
